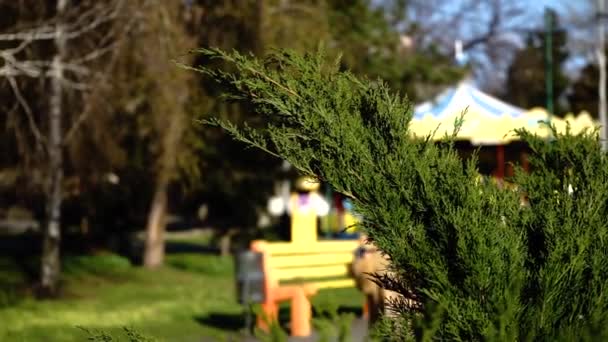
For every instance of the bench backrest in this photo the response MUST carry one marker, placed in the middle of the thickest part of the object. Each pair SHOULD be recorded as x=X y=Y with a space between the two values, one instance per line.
x=324 y=263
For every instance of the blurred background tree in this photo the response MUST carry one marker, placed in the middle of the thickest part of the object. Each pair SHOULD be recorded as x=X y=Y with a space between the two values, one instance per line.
x=52 y=71
x=525 y=85
x=583 y=94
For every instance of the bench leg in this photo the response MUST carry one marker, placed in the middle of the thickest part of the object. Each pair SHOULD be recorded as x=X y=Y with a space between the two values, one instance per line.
x=270 y=314
x=301 y=314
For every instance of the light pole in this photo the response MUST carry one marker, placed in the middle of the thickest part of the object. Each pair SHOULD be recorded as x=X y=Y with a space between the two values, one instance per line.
x=549 y=61
x=601 y=61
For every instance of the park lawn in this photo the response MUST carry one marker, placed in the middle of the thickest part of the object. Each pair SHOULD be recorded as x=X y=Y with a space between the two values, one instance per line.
x=190 y=299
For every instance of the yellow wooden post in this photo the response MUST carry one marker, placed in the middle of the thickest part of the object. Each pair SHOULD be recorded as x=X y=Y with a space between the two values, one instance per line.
x=303 y=221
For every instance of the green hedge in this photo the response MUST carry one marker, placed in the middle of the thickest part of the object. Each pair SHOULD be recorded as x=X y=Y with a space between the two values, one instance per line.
x=475 y=264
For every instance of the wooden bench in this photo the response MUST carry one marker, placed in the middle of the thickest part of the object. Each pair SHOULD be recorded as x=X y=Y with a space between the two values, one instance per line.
x=295 y=272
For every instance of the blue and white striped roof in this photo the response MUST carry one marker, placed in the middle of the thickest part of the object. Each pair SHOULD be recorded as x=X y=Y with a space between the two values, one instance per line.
x=456 y=99
x=488 y=121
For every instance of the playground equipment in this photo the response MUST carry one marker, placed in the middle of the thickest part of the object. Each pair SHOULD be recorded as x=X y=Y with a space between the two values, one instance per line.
x=294 y=271
x=489 y=122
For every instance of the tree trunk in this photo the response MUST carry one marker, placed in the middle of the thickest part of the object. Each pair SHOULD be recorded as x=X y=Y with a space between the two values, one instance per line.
x=155 y=230
x=226 y=241
x=169 y=102
x=154 y=252
x=51 y=262
x=258 y=45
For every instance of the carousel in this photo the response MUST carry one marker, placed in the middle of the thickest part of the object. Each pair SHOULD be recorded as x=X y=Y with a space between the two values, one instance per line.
x=489 y=125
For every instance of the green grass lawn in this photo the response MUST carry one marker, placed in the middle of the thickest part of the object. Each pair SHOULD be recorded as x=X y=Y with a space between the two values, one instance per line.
x=191 y=298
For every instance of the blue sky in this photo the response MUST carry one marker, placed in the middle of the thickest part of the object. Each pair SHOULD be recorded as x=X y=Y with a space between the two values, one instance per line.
x=532 y=18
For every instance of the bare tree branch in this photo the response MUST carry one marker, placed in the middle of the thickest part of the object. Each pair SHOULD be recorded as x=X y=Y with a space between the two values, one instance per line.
x=77 y=29
x=75 y=126
x=74 y=85
x=40 y=139
x=118 y=40
x=491 y=31
x=36 y=69
x=19 y=47
x=95 y=54
x=85 y=19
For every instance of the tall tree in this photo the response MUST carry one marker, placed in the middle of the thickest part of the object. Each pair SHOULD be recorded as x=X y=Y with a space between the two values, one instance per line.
x=526 y=75
x=583 y=94
x=50 y=251
x=164 y=36
x=149 y=101
x=376 y=42
x=56 y=46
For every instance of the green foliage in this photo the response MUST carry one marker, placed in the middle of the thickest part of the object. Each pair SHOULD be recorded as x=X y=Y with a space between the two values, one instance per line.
x=12 y=277
x=131 y=335
x=8 y=297
x=275 y=332
x=566 y=237
x=330 y=324
x=472 y=263
x=360 y=31
x=129 y=135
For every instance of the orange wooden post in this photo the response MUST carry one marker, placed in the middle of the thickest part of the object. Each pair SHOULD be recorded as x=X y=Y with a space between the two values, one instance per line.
x=270 y=310
x=524 y=161
x=270 y=314
x=500 y=160
x=301 y=308
x=301 y=314
x=365 y=314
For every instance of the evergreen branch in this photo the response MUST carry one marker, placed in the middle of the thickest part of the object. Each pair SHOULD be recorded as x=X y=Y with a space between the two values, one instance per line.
x=467 y=257
x=238 y=60
x=240 y=134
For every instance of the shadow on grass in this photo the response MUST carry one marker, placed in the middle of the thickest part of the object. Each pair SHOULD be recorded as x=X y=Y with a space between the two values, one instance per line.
x=355 y=310
x=229 y=322
x=173 y=247
x=235 y=322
